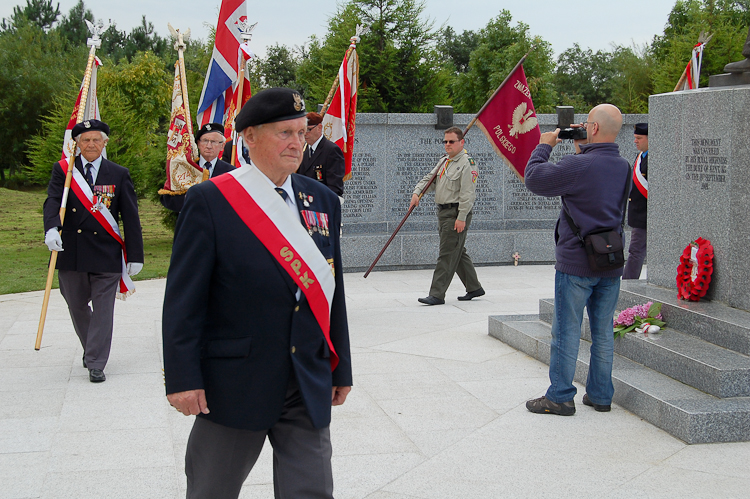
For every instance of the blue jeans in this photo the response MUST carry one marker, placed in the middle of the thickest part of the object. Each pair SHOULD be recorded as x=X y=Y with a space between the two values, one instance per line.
x=572 y=293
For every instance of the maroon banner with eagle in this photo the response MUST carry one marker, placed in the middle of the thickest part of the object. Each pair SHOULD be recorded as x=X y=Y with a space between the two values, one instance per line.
x=509 y=122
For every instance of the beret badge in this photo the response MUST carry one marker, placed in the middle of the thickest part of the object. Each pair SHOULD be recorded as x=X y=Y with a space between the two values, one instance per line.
x=299 y=104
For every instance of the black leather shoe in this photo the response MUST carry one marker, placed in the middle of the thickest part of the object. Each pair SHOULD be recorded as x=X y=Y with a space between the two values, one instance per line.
x=597 y=407
x=431 y=300
x=471 y=294
x=96 y=375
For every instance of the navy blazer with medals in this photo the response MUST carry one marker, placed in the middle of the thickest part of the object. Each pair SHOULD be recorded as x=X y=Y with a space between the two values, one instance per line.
x=175 y=203
x=87 y=246
x=232 y=324
x=638 y=205
x=326 y=165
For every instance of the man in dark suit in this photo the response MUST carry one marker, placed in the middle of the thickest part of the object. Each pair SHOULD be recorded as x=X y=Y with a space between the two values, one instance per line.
x=91 y=261
x=638 y=205
x=322 y=160
x=256 y=342
x=210 y=141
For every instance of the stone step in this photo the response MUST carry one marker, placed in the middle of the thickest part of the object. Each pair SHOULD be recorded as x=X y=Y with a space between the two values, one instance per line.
x=683 y=411
x=701 y=364
x=710 y=321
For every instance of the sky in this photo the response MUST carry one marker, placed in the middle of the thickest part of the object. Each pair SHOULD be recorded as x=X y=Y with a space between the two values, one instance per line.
x=591 y=24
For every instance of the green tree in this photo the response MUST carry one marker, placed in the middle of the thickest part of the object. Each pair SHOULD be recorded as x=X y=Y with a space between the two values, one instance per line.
x=279 y=67
x=34 y=67
x=38 y=12
x=728 y=20
x=73 y=25
x=457 y=48
x=582 y=77
x=400 y=70
x=134 y=101
x=499 y=48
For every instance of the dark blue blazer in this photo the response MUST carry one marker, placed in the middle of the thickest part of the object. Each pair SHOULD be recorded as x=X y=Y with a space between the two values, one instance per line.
x=232 y=324
x=326 y=165
x=87 y=247
x=175 y=203
x=638 y=205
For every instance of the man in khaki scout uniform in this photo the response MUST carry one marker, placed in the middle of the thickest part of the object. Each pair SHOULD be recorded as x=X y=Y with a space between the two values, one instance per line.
x=455 y=192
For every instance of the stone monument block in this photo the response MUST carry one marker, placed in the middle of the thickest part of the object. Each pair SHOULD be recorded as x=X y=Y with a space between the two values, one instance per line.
x=392 y=152
x=699 y=165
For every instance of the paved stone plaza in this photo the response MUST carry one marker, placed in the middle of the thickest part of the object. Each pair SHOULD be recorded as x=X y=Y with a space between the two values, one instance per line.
x=437 y=410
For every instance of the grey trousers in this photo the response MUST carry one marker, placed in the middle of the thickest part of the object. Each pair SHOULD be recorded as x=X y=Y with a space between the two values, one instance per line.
x=93 y=327
x=636 y=254
x=453 y=258
x=219 y=459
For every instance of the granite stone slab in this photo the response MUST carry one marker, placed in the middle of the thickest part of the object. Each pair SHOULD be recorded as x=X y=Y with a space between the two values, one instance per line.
x=392 y=152
x=686 y=412
x=711 y=321
x=698 y=168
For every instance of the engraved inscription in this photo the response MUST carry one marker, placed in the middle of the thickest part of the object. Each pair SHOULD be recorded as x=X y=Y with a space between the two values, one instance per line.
x=705 y=164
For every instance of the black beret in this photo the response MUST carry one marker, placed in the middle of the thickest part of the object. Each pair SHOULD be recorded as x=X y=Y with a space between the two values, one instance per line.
x=89 y=126
x=270 y=106
x=208 y=128
x=641 y=129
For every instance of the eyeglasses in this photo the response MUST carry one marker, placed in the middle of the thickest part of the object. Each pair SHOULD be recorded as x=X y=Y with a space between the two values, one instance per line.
x=211 y=142
x=310 y=128
x=450 y=141
x=587 y=123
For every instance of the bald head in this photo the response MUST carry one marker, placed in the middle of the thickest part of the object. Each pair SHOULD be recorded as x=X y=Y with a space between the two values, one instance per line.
x=608 y=121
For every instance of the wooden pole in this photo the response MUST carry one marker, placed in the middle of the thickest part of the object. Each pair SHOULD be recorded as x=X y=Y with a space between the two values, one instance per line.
x=335 y=84
x=403 y=220
x=186 y=101
x=66 y=191
x=240 y=90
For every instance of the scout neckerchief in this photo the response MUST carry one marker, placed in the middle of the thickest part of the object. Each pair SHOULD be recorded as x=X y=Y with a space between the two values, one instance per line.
x=102 y=215
x=638 y=179
x=267 y=215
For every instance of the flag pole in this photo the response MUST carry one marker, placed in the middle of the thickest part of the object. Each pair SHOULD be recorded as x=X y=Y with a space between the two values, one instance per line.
x=335 y=84
x=246 y=36
x=94 y=42
x=432 y=179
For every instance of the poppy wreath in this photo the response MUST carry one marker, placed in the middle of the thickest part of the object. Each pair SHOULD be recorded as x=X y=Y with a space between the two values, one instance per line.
x=695 y=269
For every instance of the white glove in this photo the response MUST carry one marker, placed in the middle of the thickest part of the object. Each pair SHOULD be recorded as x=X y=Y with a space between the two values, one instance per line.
x=53 y=240
x=134 y=268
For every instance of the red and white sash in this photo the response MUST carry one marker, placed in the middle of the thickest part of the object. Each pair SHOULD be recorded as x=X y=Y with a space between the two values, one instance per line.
x=104 y=217
x=268 y=216
x=638 y=179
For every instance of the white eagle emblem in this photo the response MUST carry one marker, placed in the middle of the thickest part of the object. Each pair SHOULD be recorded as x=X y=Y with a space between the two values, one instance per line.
x=522 y=121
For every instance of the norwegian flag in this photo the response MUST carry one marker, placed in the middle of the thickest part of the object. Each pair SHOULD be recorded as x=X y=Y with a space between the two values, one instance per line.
x=91 y=112
x=339 y=121
x=222 y=70
x=508 y=119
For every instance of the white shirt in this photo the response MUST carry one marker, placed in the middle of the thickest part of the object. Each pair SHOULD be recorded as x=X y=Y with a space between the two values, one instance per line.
x=208 y=164
x=315 y=145
x=94 y=166
x=290 y=202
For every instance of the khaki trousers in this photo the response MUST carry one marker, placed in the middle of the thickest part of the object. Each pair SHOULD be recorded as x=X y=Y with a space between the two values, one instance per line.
x=453 y=258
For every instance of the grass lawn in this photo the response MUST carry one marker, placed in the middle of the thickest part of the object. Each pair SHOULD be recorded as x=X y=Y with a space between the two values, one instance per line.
x=24 y=258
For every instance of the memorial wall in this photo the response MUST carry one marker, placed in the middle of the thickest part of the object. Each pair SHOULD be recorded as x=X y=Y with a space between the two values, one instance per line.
x=392 y=152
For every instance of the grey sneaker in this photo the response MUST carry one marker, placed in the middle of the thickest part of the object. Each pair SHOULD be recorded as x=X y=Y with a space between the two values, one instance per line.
x=544 y=406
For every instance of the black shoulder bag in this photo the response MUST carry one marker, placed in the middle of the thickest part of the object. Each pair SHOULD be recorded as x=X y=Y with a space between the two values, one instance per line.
x=604 y=247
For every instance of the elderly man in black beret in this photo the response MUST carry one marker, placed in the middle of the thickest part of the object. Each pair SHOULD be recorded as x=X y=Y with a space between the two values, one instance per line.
x=94 y=262
x=638 y=205
x=322 y=160
x=256 y=342
x=210 y=140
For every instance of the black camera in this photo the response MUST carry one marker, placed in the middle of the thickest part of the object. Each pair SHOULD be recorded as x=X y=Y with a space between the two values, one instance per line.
x=565 y=116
